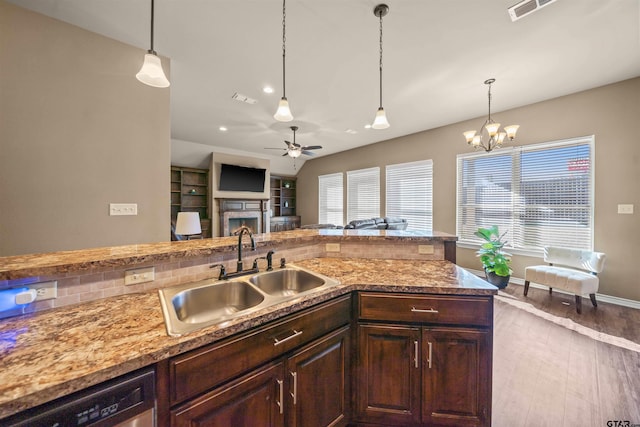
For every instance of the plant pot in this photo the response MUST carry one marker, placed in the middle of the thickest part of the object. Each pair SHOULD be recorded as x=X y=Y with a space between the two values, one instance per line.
x=500 y=281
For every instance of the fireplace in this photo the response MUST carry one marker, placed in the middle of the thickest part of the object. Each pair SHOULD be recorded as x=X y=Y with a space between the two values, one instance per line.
x=235 y=213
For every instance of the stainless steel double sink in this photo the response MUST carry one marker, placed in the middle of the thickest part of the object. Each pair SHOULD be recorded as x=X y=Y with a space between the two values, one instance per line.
x=193 y=306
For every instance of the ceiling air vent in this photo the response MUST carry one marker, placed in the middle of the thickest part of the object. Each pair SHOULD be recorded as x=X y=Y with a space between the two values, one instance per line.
x=243 y=98
x=526 y=7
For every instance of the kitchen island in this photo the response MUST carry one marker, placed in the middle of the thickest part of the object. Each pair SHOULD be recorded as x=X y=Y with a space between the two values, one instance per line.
x=60 y=351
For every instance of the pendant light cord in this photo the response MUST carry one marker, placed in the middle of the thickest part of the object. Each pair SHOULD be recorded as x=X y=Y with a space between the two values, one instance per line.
x=380 y=16
x=284 y=48
x=489 y=97
x=151 y=50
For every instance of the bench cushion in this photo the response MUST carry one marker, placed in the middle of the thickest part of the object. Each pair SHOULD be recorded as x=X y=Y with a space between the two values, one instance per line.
x=568 y=279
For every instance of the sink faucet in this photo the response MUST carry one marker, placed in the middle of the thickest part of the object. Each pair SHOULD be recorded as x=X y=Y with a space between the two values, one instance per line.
x=241 y=231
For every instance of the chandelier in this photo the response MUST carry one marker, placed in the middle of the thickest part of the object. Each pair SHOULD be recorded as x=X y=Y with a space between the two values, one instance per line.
x=495 y=137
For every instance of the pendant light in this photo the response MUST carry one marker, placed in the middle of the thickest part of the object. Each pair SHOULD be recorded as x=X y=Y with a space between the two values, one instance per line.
x=495 y=138
x=151 y=72
x=283 y=114
x=380 y=122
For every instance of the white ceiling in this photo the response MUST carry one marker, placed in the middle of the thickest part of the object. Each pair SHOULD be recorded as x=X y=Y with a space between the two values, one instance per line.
x=437 y=54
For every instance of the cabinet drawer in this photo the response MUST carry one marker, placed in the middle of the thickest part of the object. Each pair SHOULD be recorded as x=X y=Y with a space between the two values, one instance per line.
x=201 y=369
x=440 y=309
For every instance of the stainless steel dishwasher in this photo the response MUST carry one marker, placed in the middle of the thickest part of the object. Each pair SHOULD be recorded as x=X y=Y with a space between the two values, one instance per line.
x=127 y=401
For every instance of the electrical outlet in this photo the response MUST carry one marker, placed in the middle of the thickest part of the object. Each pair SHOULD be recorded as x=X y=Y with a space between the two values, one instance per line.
x=123 y=209
x=139 y=275
x=425 y=249
x=625 y=209
x=332 y=247
x=45 y=290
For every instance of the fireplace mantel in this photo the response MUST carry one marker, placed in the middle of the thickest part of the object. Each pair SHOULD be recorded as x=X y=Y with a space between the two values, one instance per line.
x=253 y=213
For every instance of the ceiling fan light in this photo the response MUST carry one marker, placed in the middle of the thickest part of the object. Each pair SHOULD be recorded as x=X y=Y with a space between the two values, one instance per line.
x=283 y=114
x=295 y=153
x=151 y=72
x=469 y=135
x=511 y=131
x=380 y=122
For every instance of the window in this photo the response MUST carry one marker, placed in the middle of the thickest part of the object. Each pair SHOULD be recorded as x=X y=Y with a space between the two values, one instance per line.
x=363 y=194
x=330 y=199
x=410 y=193
x=539 y=194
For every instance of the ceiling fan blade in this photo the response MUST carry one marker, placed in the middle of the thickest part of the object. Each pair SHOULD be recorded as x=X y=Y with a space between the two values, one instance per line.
x=308 y=153
x=286 y=154
x=287 y=142
x=312 y=147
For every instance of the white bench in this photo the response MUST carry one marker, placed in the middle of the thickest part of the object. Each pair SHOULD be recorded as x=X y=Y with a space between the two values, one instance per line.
x=572 y=270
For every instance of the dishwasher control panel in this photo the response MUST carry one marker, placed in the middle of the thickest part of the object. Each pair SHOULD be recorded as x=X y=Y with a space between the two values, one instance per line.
x=113 y=402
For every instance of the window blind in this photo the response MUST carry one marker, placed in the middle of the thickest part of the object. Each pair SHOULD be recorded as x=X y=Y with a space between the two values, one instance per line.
x=409 y=193
x=330 y=199
x=539 y=194
x=363 y=194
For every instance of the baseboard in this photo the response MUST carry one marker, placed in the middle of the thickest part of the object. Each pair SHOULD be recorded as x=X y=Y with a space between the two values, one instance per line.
x=600 y=297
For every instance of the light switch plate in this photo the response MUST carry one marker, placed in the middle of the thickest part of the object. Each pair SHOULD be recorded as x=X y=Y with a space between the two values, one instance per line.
x=625 y=209
x=45 y=290
x=123 y=209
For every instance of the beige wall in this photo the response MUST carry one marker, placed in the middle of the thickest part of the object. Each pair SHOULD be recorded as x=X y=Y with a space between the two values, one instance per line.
x=77 y=132
x=611 y=113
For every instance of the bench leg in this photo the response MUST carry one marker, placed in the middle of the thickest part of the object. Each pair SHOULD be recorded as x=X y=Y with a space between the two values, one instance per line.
x=579 y=304
x=526 y=287
x=593 y=299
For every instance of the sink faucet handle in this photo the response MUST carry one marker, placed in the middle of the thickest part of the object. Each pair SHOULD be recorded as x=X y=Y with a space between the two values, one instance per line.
x=270 y=260
x=223 y=271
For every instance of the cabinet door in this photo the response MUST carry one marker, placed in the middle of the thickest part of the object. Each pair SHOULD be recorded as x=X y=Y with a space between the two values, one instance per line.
x=318 y=390
x=255 y=400
x=388 y=375
x=457 y=377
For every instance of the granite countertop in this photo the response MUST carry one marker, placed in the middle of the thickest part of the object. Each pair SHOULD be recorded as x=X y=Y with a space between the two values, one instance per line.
x=57 y=352
x=29 y=265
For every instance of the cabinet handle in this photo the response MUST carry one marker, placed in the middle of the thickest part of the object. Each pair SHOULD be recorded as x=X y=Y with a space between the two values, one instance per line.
x=430 y=353
x=415 y=353
x=281 y=402
x=422 y=310
x=295 y=386
x=277 y=342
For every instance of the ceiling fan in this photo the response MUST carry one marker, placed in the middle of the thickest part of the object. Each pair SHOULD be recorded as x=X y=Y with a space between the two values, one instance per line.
x=294 y=149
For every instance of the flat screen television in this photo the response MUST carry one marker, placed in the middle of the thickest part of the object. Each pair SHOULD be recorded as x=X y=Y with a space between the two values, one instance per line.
x=240 y=178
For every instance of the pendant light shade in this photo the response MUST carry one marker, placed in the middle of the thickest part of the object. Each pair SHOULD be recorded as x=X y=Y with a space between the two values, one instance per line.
x=283 y=114
x=151 y=72
x=380 y=122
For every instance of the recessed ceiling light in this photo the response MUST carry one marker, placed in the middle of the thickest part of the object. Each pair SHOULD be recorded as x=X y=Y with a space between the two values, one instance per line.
x=267 y=89
x=367 y=126
x=351 y=131
x=223 y=129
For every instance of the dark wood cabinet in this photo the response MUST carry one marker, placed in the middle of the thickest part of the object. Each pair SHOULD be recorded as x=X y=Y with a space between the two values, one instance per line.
x=252 y=401
x=190 y=193
x=419 y=366
x=456 y=373
x=292 y=372
x=388 y=374
x=283 y=203
x=319 y=388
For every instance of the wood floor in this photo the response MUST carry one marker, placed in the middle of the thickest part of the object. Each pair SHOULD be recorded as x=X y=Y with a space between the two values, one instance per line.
x=553 y=367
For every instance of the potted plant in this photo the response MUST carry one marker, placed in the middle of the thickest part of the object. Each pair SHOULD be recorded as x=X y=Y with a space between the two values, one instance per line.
x=494 y=260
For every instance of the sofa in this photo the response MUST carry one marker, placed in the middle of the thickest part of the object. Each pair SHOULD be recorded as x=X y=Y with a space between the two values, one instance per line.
x=386 y=223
